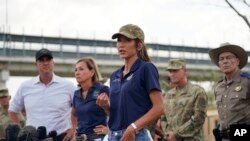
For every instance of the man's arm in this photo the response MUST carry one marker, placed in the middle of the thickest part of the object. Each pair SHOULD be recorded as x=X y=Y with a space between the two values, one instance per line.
x=194 y=125
x=14 y=117
x=152 y=115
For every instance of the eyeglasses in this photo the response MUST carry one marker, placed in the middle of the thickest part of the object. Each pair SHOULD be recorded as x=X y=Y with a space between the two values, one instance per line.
x=229 y=57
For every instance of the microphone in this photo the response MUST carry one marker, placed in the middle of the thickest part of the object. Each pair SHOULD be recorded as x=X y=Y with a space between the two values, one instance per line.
x=52 y=135
x=28 y=133
x=11 y=132
x=42 y=132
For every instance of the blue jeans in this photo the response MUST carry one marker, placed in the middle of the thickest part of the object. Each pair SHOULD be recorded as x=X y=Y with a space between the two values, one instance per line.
x=141 y=136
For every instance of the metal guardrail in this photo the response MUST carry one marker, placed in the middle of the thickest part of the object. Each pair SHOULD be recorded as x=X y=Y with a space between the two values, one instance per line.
x=64 y=44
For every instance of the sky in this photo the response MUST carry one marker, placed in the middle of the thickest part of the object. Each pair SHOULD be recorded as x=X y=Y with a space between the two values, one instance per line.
x=203 y=23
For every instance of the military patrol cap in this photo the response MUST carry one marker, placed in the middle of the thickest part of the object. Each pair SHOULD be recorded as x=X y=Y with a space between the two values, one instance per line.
x=3 y=91
x=43 y=52
x=175 y=64
x=238 y=51
x=130 y=31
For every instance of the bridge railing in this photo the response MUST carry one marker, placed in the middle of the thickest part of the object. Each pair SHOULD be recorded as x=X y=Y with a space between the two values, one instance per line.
x=14 y=45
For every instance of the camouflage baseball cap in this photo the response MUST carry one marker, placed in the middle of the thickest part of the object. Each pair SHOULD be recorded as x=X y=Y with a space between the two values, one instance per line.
x=175 y=64
x=3 y=91
x=43 y=52
x=131 y=31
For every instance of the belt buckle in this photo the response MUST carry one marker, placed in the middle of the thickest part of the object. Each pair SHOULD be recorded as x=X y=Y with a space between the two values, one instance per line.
x=82 y=137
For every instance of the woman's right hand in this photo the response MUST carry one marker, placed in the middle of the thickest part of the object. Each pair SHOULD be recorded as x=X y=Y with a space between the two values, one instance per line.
x=103 y=101
x=129 y=134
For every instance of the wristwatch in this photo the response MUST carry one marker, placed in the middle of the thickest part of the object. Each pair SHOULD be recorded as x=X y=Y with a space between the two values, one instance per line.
x=135 y=128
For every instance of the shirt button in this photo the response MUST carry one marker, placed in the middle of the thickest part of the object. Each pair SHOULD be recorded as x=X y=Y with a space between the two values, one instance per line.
x=225 y=106
x=225 y=96
x=227 y=86
x=236 y=96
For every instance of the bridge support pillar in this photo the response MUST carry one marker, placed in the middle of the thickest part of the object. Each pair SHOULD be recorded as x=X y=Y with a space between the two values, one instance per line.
x=4 y=76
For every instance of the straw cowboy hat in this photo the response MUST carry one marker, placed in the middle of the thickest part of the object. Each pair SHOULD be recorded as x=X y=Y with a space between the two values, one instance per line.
x=238 y=51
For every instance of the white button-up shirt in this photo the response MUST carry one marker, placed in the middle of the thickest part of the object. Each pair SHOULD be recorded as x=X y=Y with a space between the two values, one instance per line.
x=45 y=105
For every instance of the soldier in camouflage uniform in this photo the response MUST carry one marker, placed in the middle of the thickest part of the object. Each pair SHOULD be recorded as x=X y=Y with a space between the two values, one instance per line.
x=232 y=93
x=4 y=105
x=185 y=106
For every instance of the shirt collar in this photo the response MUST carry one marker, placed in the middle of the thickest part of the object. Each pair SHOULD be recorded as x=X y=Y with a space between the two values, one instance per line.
x=134 y=67
x=93 y=87
x=236 y=78
x=54 y=79
x=183 y=89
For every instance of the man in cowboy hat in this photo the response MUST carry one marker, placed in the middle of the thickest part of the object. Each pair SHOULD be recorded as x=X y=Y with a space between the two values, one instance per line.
x=232 y=93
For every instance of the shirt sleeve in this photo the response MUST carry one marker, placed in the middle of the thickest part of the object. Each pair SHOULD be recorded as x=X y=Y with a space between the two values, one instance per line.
x=105 y=89
x=72 y=89
x=17 y=103
x=195 y=124
x=151 y=78
x=74 y=99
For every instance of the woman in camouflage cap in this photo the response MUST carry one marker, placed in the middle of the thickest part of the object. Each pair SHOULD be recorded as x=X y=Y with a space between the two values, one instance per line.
x=135 y=93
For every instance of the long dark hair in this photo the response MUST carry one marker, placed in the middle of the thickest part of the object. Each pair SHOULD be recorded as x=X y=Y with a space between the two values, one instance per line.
x=142 y=53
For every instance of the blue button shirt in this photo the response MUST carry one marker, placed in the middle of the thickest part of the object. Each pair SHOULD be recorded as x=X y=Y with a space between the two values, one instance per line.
x=129 y=95
x=88 y=113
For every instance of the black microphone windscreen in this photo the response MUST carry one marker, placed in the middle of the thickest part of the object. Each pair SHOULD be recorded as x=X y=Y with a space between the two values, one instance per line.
x=11 y=132
x=52 y=133
x=28 y=133
x=42 y=132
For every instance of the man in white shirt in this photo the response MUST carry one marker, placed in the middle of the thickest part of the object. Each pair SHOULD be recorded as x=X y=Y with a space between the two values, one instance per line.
x=46 y=98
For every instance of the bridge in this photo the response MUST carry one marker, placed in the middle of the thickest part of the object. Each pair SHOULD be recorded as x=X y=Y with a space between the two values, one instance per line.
x=17 y=55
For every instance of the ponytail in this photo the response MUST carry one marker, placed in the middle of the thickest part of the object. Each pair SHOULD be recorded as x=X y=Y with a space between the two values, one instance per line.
x=142 y=53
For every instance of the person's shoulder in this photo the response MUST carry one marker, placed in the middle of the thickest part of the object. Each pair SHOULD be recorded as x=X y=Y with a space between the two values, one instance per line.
x=245 y=75
x=29 y=82
x=102 y=87
x=65 y=82
x=62 y=79
x=99 y=84
x=147 y=64
x=115 y=73
x=197 y=88
x=105 y=86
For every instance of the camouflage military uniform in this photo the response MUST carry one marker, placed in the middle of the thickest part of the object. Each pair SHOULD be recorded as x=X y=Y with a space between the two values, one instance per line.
x=4 y=121
x=233 y=100
x=185 y=112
